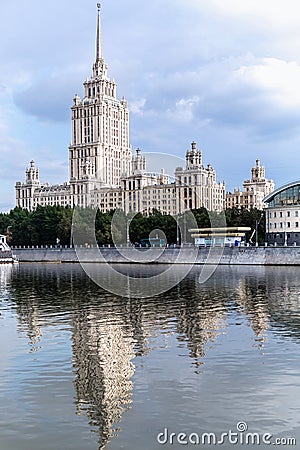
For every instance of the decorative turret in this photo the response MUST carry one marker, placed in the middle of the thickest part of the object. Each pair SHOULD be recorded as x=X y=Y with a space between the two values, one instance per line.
x=163 y=178
x=254 y=190
x=138 y=162
x=32 y=174
x=258 y=171
x=193 y=157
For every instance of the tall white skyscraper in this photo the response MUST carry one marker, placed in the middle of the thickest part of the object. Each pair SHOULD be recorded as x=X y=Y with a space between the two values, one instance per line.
x=104 y=173
x=100 y=152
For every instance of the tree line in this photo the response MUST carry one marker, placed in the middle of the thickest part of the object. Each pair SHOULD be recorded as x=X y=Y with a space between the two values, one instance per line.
x=52 y=225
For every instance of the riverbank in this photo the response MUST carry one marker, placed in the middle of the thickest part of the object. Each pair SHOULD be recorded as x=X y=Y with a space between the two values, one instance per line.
x=187 y=255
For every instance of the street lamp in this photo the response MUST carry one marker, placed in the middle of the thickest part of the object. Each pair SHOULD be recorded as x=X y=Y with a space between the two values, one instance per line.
x=256 y=233
x=177 y=231
x=183 y=234
x=71 y=235
x=257 y=222
x=127 y=231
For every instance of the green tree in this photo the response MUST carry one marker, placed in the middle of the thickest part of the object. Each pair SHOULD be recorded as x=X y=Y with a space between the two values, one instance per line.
x=64 y=226
x=103 y=227
x=247 y=218
x=20 y=223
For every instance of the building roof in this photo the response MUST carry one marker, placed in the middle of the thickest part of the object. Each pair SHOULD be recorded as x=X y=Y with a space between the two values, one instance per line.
x=277 y=191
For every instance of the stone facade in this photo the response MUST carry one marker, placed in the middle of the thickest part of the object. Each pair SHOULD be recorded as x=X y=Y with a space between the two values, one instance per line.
x=255 y=190
x=194 y=186
x=103 y=171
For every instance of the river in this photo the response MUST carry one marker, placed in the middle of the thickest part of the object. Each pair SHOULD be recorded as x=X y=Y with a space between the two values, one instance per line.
x=84 y=369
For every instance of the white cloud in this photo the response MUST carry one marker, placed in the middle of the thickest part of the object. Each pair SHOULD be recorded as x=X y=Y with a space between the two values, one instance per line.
x=137 y=106
x=278 y=79
x=259 y=95
x=272 y=13
x=183 y=110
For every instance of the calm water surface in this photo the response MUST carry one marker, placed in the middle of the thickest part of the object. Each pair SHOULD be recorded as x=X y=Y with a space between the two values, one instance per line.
x=83 y=369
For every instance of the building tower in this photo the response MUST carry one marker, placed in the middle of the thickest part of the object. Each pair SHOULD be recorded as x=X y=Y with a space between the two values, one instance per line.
x=99 y=153
x=196 y=185
x=258 y=171
x=254 y=190
x=25 y=191
x=193 y=157
x=258 y=185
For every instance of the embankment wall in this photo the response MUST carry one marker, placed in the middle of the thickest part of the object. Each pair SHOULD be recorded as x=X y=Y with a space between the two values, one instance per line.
x=185 y=255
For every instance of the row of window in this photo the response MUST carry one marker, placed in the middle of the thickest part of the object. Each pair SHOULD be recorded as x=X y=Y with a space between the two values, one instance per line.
x=107 y=91
x=99 y=110
x=281 y=225
x=158 y=202
x=281 y=214
x=281 y=235
x=196 y=179
x=156 y=192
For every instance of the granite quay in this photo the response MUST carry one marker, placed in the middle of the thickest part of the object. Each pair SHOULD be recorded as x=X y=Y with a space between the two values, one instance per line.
x=286 y=256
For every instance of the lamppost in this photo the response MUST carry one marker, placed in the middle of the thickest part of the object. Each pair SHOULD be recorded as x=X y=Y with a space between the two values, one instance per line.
x=177 y=230
x=183 y=234
x=256 y=233
x=257 y=222
x=71 y=235
x=127 y=231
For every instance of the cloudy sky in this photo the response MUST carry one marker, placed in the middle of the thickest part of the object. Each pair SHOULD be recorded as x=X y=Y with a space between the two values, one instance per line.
x=223 y=73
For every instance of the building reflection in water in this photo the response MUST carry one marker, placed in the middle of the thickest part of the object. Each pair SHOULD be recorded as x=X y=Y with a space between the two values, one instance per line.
x=102 y=354
x=5 y=277
x=27 y=308
x=201 y=318
x=109 y=332
x=250 y=296
x=283 y=297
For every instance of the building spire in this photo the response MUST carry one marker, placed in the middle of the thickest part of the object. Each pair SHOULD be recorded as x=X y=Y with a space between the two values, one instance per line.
x=99 y=55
